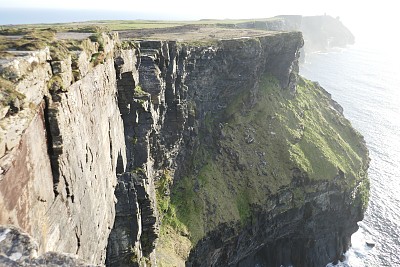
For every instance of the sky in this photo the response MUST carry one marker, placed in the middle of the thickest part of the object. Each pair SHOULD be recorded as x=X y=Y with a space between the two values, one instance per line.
x=363 y=17
x=217 y=9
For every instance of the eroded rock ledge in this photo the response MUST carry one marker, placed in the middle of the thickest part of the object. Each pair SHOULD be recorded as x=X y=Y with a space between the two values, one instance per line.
x=116 y=151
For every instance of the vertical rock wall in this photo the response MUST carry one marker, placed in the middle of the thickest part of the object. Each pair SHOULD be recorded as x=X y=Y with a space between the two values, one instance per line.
x=164 y=96
x=58 y=180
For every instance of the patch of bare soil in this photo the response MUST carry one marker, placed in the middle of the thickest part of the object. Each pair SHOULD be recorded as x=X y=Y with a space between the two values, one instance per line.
x=72 y=35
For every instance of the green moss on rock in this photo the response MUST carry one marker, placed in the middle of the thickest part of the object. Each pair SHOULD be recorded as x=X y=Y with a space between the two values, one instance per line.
x=328 y=143
x=97 y=58
x=55 y=83
x=9 y=96
x=138 y=91
x=98 y=38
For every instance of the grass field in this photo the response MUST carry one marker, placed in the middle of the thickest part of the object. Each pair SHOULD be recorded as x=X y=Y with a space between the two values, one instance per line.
x=119 y=25
x=37 y=36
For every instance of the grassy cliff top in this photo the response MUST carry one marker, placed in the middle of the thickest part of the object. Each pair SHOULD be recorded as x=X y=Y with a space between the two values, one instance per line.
x=119 y=25
x=36 y=36
x=65 y=40
x=192 y=33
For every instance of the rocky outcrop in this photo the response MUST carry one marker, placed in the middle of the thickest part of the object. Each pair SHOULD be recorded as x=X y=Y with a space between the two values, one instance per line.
x=19 y=249
x=121 y=145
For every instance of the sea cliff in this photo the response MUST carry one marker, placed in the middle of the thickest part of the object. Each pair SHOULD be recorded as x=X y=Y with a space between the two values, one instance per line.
x=178 y=151
x=320 y=33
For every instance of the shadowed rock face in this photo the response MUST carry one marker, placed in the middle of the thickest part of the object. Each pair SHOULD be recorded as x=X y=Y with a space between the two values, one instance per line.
x=301 y=236
x=181 y=88
x=99 y=132
x=160 y=126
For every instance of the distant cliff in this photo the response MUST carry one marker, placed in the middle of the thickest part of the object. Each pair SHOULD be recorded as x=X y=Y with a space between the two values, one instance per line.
x=319 y=32
x=174 y=152
x=324 y=32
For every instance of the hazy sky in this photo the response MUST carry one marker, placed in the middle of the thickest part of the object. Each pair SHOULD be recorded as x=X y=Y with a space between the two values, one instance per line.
x=360 y=16
x=215 y=8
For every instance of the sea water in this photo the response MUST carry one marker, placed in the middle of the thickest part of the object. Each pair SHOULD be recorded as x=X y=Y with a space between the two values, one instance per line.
x=365 y=80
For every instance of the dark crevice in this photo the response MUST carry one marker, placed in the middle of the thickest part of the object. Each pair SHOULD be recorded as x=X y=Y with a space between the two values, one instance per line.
x=50 y=148
x=78 y=242
x=120 y=164
x=127 y=224
x=67 y=190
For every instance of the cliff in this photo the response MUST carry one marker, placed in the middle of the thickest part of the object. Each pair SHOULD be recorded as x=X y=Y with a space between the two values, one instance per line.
x=206 y=148
x=324 y=32
x=61 y=140
x=320 y=32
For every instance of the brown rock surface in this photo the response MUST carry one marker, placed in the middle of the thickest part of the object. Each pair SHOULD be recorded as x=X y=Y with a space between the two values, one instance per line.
x=60 y=153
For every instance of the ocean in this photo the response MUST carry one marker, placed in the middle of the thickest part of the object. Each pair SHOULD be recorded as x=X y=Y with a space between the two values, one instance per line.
x=365 y=80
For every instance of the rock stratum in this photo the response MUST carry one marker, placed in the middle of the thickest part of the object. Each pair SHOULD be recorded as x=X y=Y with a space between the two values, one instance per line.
x=206 y=152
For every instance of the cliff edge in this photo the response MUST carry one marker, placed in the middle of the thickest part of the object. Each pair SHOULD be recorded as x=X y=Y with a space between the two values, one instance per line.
x=202 y=149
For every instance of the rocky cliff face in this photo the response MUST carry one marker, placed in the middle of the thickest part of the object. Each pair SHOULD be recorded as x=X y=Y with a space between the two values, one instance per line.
x=60 y=151
x=215 y=149
x=281 y=219
x=180 y=87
